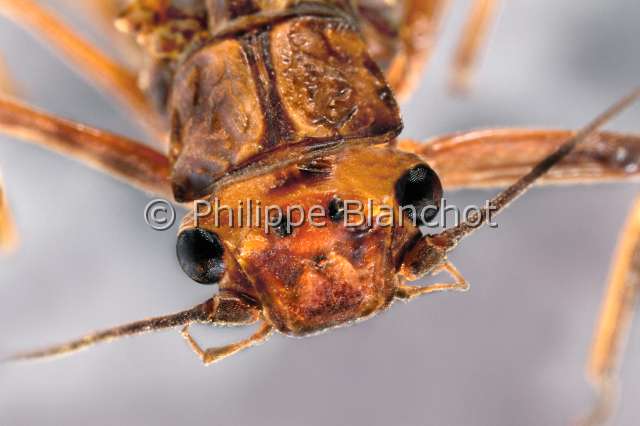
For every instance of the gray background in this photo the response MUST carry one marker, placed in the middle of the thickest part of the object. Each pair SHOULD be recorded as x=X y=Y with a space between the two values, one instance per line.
x=509 y=352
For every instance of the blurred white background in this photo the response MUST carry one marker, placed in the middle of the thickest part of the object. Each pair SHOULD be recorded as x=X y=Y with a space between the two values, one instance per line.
x=511 y=351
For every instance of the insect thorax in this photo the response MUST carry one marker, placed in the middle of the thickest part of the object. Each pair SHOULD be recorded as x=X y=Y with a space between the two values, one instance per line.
x=242 y=80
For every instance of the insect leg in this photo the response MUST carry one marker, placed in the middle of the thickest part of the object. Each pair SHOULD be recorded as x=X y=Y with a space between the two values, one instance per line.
x=103 y=14
x=8 y=235
x=473 y=37
x=420 y=24
x=96 y=66
x=229 y=310
x=408 y=292
x=8 y=85
x=497 y=157
x=615 y=318
x=123 y=158
x=427 y=253
x=211 y=355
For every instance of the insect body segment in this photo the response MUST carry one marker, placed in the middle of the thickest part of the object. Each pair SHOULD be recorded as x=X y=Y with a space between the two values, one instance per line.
x=322 y=277
x=327 y=275
x=306 y=81
x=282 y=102
x=8 y=237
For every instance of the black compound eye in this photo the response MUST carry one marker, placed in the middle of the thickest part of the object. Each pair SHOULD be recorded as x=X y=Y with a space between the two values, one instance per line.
x=336 y=209
x=281 y=225
x=200 y=254
x=283 y=228
x=420 y=187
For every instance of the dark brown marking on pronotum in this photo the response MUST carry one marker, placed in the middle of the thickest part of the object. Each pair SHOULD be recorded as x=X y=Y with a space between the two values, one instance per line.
x=193 y=82
x=271 y=136
x=281 y=121
x=315 y=167
x=282 y=102
x=293 y=178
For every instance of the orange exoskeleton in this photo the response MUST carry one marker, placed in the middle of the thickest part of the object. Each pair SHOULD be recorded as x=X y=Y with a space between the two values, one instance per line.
x=293 y=103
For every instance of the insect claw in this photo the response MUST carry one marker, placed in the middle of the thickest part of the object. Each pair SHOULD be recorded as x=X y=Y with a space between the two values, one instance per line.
x=212 y=355
x=408 y=292
x=8 y=234
x=185 y=331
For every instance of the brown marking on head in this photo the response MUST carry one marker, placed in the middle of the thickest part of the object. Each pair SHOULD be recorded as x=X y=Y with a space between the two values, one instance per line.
x=318 y=277
x=303 y=82
x=308 y=174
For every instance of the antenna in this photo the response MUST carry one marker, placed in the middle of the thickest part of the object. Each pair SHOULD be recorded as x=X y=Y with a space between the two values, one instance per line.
x=449 y=238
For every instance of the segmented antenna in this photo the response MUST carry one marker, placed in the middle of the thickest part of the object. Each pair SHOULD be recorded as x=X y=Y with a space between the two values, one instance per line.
x=451 y=237
x=199 y=313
